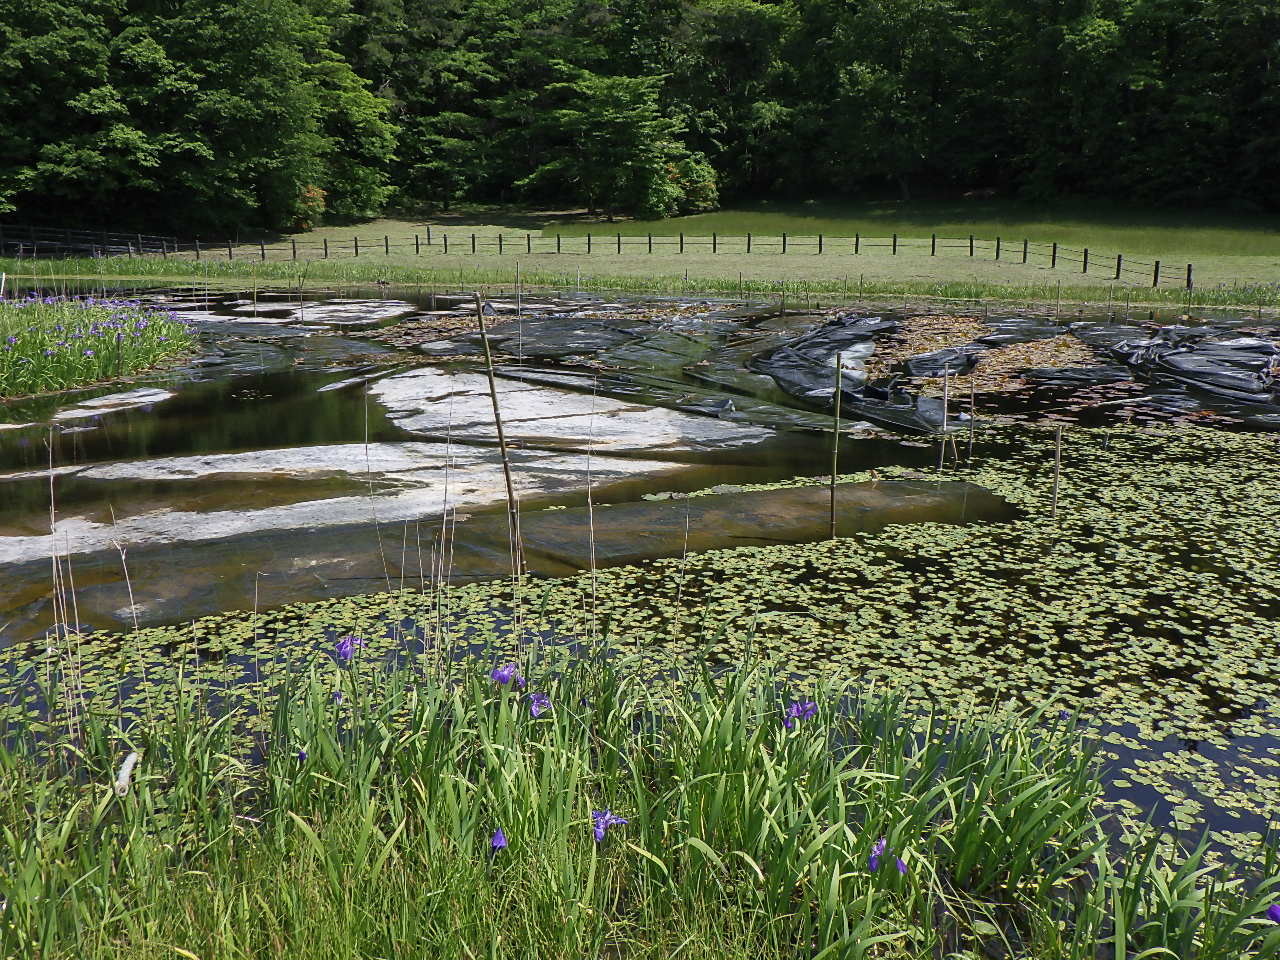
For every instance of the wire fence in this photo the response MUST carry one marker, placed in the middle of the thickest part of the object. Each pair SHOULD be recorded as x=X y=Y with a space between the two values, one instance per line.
x=48 y=243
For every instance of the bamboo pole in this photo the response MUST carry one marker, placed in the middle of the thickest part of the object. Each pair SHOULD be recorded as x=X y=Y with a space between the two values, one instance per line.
x=513 y=509
x=835 y=449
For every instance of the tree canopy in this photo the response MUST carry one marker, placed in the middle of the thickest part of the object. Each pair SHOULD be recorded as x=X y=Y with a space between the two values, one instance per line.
x=227 y=113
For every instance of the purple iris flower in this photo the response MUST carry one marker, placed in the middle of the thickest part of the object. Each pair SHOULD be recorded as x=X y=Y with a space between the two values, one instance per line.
x=901 y=864
x=88 y=353
x=603 y=820
x=539 y=702
x=499 y=841
x=877 y=851
x=302 y=756
x=505 y=674
x=801 y=710
x=347 y=646
x=1273 y=913
x=337 y=696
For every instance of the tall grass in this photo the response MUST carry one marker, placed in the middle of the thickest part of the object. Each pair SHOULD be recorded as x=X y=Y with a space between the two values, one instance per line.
x=361 y=823
x=53 y=343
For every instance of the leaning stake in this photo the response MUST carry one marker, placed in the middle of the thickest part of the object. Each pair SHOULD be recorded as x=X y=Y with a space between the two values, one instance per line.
x=513 y=511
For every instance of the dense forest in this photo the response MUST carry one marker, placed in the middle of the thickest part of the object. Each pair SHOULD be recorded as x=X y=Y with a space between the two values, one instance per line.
x=218 y=114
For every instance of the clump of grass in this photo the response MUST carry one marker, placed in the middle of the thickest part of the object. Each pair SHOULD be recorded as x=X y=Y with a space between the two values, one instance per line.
x=54 y=343
x=563 y=807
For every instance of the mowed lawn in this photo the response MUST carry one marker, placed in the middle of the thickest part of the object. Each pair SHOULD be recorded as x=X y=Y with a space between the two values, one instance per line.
x=1225 y=251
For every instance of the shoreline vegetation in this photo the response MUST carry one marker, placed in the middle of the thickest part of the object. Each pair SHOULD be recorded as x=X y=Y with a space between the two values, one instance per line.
x=595 y=276
x=50 y=344
x=560 y=807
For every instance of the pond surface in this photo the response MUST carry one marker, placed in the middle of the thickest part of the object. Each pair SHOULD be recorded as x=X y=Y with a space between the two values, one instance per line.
x=332 y=447
x=322 y=446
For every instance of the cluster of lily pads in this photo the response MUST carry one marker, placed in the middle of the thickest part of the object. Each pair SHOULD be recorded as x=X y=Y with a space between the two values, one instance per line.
x=54 y=343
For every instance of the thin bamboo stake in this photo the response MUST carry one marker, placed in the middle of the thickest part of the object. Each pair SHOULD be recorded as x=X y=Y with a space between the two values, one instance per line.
x=1057 y=468
x=513 y=510
x=946 y=398
x=835 y=450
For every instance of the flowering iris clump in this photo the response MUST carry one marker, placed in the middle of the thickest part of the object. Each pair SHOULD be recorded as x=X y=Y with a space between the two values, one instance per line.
x=53 y=343
x=801 y=710
x=602 y=820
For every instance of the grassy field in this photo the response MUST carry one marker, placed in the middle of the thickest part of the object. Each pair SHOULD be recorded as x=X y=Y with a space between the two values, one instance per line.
x=1235 y=262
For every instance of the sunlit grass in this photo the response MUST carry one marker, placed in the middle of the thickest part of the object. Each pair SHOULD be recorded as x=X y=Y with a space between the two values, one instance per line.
x=761 y=275
x=760 y=821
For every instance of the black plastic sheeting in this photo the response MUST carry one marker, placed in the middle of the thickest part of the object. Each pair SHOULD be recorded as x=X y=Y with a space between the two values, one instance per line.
x=805 y=369
x=1236 y=367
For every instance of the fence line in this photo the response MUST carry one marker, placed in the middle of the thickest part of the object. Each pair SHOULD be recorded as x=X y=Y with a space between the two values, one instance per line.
x=47 y=243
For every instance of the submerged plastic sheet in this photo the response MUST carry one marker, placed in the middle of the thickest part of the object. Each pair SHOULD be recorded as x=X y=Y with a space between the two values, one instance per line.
x=1236 y=367
x=805 y=369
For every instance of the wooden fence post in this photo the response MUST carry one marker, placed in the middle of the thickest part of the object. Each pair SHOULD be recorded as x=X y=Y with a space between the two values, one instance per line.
x=557 y=243
x=230 y=255
x=1025 y=245
x=1190 y=285
x=355 y=245
x=1155 y=275
x=445 y=238
x=1053 y=260
x=1119 y=264
x=895 y=244
x=500 y=243
x=819 y=244
x=971 y=244
x=619 y=244
x=386 y=245
x=784 y=242
x=197 y=248
x=933 y=244
x=294 y=243
x=1086 y=260
x=473 y=243
x=857 y=243
x=715 y=242
x=428 y=234
x=997 y=248
x=748 y=241
x=140 y=245
x=417 y=246
x=528 y=243
x=262 y=250
x=588 y=243
x=682 y=241
x=651 y=243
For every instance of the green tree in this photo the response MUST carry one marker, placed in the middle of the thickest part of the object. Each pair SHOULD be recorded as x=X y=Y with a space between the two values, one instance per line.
x=616 y=151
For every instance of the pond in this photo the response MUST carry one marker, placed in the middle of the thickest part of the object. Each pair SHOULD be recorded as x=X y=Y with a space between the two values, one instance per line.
x=326 y=448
